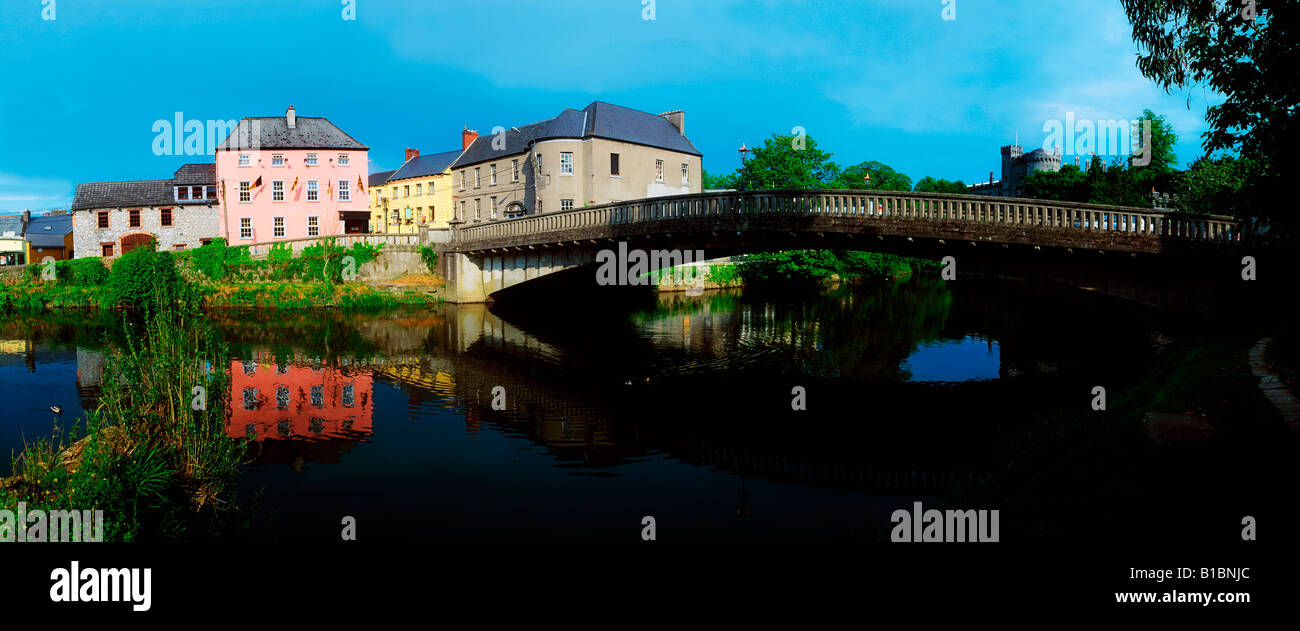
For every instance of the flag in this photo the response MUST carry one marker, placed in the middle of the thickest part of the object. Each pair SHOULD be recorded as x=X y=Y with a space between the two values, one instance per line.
x=257 y=183
x=294 y=185
x=329 y=189
x=360 y=187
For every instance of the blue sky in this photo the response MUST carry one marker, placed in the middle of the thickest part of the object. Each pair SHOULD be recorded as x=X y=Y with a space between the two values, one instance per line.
x=886 y=80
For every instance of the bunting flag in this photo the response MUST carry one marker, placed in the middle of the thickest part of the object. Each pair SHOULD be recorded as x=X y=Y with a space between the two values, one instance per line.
x=257 y=183
x=329 y=189
x=360 y=187
x=294 y=185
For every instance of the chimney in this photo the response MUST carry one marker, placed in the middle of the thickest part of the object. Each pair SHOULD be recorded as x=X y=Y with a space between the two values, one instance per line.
x=467 y=138
x=290 y=118
x=412 y=153
x=990 y=177
x=27 y=216
x=678 y=119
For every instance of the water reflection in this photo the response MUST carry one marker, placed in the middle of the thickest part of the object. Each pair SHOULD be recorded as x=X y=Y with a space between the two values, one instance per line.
x=679 y=404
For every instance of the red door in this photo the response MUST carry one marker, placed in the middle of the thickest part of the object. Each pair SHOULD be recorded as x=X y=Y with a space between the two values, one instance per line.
x=133 y=241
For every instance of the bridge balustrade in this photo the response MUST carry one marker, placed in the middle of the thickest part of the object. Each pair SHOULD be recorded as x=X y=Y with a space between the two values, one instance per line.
x=867 y=205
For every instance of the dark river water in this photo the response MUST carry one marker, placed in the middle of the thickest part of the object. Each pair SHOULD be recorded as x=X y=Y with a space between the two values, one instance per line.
x=556 y=421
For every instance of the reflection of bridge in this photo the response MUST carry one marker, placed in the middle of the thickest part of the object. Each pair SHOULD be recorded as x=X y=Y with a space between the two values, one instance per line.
x=486 y=258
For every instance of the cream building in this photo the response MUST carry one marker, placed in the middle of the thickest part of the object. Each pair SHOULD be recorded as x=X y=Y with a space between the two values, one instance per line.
x=601 y=154
x=415 y=197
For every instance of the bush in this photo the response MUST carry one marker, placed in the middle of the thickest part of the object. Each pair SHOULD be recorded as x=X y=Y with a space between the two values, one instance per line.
x=430 y=257
x=143 y=277
x=87 y=272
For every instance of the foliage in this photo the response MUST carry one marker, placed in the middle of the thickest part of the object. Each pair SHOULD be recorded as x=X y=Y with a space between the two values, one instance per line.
x=1216 y=185
x=928 y=184
x=1117 y=184
x=1185 y=43
x=430 y=256
x=721 y=182
x=883 y=177
x=785 y=161
x=145 y=278
x=89 y=272
x=816 y=265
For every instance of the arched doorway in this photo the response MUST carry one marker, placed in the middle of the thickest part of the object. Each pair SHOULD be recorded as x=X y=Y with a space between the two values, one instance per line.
x=515 y=209
x=133 y=241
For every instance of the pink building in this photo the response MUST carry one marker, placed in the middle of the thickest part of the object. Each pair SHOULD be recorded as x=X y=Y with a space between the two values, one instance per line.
x=289 y=177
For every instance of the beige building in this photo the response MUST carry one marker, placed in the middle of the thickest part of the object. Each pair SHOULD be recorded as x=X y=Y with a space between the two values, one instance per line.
x=604 y=153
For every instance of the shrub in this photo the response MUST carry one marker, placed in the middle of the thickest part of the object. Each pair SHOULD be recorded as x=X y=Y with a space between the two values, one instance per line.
x=430 y=257
x=89 y=272
x=144 y=277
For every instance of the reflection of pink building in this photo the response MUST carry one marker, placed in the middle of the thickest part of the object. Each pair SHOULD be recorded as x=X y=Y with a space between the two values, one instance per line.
x=289 y=177
x=280 y=401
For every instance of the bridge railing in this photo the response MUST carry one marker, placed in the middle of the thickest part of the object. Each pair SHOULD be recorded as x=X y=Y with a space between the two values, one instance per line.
x=873 y=204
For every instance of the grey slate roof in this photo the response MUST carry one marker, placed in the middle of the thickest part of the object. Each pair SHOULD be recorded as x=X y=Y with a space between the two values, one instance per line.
x=378 y=179
x=196 y=174
x=48 y=232
x=600 y=120
x=272 y=132
x=11 y=223
x=115 y=194
x=420 y=166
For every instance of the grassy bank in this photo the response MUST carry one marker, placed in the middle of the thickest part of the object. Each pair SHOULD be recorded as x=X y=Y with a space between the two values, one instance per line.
x=154 y=456
x=225 y=277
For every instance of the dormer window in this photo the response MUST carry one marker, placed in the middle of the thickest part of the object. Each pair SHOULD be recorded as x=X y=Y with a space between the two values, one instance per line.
x=343 y=159
x=182 y=193
x=277 y=160
x=245 y=160
x=196 y=192
x=311 y=160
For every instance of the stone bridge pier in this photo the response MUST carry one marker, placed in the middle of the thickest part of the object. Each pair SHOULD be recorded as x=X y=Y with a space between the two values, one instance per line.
x=472 y=277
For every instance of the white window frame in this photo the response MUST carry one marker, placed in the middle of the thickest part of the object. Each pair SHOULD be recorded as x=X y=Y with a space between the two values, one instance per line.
x=245 y=160
x=566 y=204
x=245 y=191
x=313 y=190
x=493 y=181
x=313 y=226
x=277 y=227
x=493 y=208
x=462 y=180
x=514 y=170
x=344 y=160
x=659 y=170
x=345 y=190
x=277 y=191
x=566 y=163
x=277 y=160
x=478 y=209
x=311 y=160
x=419 y=189
x=686 y=174
x=245 y=224
x=478 y=177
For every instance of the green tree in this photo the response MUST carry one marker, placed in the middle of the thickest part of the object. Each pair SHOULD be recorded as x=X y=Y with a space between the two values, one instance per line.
x=785 y=161
x=1247 y=53
x=1215 y=185
x=883 y=177
x=721 y=181
x=928 y=184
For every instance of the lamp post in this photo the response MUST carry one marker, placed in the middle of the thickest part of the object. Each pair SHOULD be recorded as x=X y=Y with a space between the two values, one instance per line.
x=744 y=154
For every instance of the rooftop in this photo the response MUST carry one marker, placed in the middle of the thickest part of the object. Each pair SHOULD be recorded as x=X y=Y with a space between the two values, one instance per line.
x=272 y=132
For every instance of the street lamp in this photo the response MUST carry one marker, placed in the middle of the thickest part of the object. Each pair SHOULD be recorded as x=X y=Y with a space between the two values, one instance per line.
x=744 y=154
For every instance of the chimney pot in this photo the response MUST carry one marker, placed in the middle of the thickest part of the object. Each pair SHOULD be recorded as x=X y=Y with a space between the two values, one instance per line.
x=290 y=118
x=412 y=153
x=467 y=138
x=678 y=120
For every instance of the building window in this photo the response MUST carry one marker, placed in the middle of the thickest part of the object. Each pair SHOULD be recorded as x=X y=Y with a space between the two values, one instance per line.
x=345 y=190
x=659 y=170
x=313 y=191
x=311 y=160
x=493 y=208
x=245 y=191
x=165 y=217
x=494 y=175
x=212 y=191
x=343 y=159
x=182 y=193
x=135 y=218
x=406 y=190
x=318 y=396
x=462 y=180
x=196 y=192
x=180 y=246
x=313 y=226
x=281 y=398
x=277 y=226
x=245 y=227
x=686 y=174
x=245 y=160
x=277 y=160
x=349 y=395
x=514 y=170
x=103 y=218
x=566 y=163
x=478 y=179
x=613 y=164
x=566 y=204
x=462 y=212
x=478 y=209
x=277 y=190
x=539 y=164
x=418 y=189
x=106 y=249
x=430 y=188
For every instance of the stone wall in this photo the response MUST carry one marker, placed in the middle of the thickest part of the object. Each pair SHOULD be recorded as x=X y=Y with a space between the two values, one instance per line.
x=190 y=224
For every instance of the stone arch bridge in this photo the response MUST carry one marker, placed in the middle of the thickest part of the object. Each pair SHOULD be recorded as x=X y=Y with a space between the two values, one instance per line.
x=481 y=259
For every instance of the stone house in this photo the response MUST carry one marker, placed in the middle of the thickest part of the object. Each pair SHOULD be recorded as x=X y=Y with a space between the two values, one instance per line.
x=111 y=218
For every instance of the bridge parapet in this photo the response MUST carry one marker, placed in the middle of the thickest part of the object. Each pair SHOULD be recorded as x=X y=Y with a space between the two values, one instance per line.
x=978 y=211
